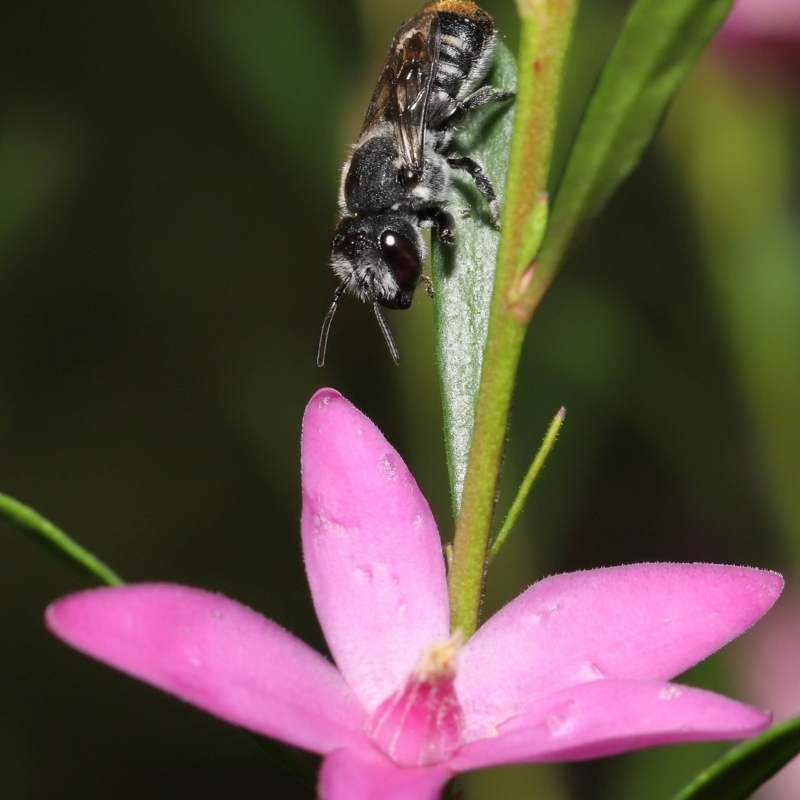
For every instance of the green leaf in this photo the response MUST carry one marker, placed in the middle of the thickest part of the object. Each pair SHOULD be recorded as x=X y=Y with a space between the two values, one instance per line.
x=463 y=275
x=25 y=519
x=537 y=465
x=659 y=43
x=742 y=770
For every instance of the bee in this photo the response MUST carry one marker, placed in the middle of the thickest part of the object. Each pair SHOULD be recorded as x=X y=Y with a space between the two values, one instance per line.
x=395 y=181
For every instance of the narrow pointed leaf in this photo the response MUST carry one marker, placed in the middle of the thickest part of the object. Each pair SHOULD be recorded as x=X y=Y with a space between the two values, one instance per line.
x=659 y=43
x=742 y=770
x=463 y=275
x=527 y=484
x=34 y=525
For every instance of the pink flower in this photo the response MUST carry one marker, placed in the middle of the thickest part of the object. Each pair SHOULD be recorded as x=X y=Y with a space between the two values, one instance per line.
x=762 y=36
x=776 y=19
x=768 y=659
x=575 y=667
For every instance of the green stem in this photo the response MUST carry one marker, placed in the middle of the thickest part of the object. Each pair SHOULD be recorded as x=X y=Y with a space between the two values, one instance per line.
x=546 y=26
x=25 y=519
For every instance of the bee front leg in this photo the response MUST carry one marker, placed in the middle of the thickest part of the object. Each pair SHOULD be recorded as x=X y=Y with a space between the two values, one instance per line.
x=442 y=222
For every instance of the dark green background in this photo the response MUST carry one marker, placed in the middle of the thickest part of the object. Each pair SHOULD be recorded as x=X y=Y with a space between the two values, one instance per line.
x=168 y=177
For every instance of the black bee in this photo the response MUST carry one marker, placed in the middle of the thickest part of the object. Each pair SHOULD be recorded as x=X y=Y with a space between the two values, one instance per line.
x=395 y=181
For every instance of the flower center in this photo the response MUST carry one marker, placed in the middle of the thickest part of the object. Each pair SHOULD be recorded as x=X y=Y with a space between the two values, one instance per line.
x=420 y=724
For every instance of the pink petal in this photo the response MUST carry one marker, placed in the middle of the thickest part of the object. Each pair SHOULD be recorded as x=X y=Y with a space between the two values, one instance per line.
x=371 y=547
x=366 y=774
x=420 y=724
x=641 y=622
x=605 y=717
x=217 y=655
x=763 y=18
x=768 y=660
x=760 y=40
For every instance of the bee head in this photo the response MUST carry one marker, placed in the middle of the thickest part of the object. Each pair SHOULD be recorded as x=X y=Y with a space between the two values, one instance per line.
x=380 y=256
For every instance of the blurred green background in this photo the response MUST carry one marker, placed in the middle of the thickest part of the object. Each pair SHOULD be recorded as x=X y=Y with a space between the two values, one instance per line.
x=168 y=177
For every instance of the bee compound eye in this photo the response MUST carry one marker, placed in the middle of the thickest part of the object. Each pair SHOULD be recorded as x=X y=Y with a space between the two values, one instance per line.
x=403 y=259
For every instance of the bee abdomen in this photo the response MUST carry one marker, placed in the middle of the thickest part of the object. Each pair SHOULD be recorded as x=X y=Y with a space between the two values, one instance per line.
x=465 y=49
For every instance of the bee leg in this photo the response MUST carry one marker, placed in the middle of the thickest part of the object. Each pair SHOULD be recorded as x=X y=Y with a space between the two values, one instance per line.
x=484 y=96
x=428 y=284
x=480 y=97
x=443 y=223
x=482 y=182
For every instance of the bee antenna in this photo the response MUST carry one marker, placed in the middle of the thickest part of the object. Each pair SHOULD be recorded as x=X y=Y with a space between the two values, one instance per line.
x=326 y=324
x=387 y=334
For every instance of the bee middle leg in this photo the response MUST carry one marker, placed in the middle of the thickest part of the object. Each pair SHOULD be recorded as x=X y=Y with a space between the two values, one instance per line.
x=482 y=183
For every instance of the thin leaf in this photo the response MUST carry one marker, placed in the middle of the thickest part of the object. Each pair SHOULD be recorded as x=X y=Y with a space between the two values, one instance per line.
x=463 y=275
x=25 y=519
x=527 y=484
x=742 y=770
x=659 y=43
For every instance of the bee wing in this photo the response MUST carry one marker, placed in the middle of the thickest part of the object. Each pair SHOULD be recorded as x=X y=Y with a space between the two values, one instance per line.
x=402 y=92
